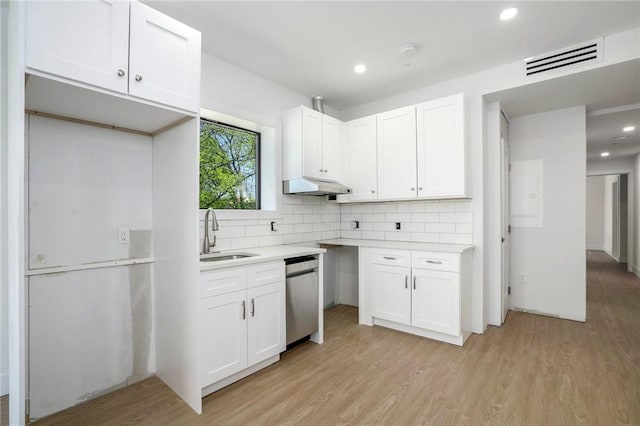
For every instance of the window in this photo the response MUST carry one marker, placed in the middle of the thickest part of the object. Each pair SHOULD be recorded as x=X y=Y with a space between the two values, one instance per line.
x=229 y=167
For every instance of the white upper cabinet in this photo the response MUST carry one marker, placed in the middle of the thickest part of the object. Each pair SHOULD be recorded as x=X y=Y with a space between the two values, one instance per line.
x=362 y=161
x=164 y=63
x=82 y=41
x=441 y=148
x=397 y=154
x=127 y=48
x=331 y=138
x=311 y=145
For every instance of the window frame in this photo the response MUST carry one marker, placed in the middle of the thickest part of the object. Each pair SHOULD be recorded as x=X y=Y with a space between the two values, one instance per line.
x=269 y=167
x=258 y=171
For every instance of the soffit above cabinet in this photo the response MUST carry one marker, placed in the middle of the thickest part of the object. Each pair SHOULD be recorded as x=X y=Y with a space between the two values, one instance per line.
x=49 y=96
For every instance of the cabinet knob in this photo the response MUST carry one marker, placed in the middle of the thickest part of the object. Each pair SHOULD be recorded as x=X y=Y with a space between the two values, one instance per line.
x=138 y=77
x=320 y=170
x=419 y=188
x=325 y=170
x=120 y=73
x=373 y=191
x=413 y=189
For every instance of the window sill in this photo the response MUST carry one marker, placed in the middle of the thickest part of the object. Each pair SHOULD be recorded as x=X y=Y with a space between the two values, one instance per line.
x=243 y=214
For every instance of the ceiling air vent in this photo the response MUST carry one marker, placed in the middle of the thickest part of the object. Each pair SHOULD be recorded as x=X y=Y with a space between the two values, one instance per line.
x=580 y=54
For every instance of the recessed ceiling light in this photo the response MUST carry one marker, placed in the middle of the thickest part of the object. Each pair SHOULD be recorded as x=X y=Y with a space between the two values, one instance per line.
x=360 y=68
x=509 y=13
x=629 y=129
x=604 y=154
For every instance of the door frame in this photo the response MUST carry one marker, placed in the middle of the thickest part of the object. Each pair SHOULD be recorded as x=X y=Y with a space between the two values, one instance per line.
x=505 y=299
x=630 y=211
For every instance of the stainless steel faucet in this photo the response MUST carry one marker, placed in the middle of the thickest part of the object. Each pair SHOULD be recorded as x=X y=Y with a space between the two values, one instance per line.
x=206 y=245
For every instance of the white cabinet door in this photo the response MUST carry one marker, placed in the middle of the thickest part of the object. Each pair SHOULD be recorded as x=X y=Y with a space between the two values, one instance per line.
x=84 y=41
x=397 y=154
x=312 y=143
x=164 y=59
x=223 y=336
x=390 y=293
x=362 y=159
x=436 y=301
x=267 y=329
x=441 y=150
x=331 y=132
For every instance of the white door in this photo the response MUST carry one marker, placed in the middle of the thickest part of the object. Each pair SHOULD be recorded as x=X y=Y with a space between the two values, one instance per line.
x=362 y=159
x=267 y=328
x=440 y=146
x=331 y=131
x=390 y=293
x=504 y=215
x=435 y=303
x=312 y=144
x=84 y=41
x=615 y=219
x=223 y=336
x=397 y=154
x=164 y=62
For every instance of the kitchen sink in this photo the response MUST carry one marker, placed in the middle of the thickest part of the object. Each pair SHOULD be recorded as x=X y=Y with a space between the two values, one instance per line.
x=224 y=256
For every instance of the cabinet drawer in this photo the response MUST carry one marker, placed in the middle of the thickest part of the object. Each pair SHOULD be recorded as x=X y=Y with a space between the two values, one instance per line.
x=436 y=261
x=265 y=273
x=224 y=281
x=391 y=257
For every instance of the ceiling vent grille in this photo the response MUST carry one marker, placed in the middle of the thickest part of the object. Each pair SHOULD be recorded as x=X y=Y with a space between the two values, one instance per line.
x=580 y=54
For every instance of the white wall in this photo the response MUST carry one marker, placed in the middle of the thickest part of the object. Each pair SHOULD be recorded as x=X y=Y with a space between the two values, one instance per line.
x=90 y=331
x=595 y=213
x=552 y=257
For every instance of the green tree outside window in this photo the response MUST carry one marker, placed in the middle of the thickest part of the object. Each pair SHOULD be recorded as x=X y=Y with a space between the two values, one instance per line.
x=228 y=167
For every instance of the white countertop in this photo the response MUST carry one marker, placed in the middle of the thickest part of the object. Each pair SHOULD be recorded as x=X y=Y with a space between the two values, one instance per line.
x=263 y=254
x=437 y=247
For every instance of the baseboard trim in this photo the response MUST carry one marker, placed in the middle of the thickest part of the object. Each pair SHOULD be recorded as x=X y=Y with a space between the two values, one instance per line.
x=4 y=384
x=598 y=248
x=636 y=270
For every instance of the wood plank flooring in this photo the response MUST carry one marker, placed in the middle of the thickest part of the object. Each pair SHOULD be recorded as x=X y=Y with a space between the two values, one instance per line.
x=534 y=370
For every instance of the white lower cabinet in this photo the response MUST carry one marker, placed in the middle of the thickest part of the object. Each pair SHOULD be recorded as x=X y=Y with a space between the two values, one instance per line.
x=391 y=296
x=428 y=295
x=242 y=328
x=223 y=336
x=435 y=302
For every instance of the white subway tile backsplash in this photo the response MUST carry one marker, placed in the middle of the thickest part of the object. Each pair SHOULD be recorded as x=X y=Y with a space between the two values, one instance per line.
x=411 y=207
x=456 y=217
x=425 y=217
x=258 y=230
x=440 y=227
x=309 y=219
x=464 y=206
x=463 y=228
x=425 y=237
x=303 y=227
x=272 y=240
x=456 y=238
x=302 y=209
x=372 y=235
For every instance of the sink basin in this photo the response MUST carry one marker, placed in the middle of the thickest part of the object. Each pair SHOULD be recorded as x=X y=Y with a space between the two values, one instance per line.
x=224 y=256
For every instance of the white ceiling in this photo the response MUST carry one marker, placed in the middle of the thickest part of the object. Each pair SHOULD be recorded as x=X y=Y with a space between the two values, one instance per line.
x=311 y=47
x=602 y=129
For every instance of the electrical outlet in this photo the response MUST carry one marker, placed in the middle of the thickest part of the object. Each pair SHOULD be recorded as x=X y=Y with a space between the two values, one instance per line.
x=398 y=225
x=123 y=235
x=355 y=224
x=523 y=278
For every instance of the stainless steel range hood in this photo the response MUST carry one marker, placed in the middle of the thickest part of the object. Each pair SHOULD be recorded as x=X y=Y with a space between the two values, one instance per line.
x=306 y=186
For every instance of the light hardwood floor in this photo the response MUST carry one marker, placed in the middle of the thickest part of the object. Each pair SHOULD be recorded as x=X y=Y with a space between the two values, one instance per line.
x=534 y=370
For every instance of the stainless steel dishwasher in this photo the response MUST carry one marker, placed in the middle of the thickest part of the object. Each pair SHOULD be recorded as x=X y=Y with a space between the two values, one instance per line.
x=302 y=297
